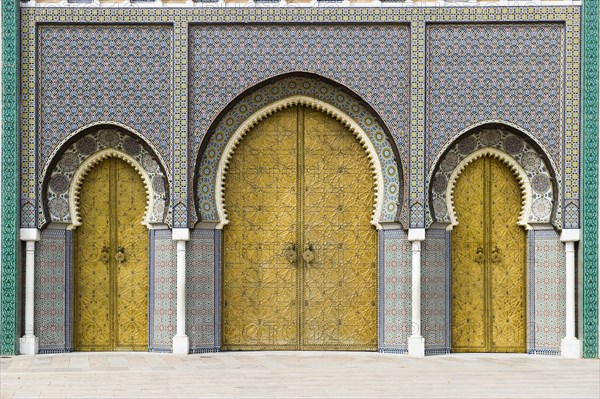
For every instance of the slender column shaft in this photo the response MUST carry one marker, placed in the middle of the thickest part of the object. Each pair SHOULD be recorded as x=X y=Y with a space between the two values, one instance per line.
x=180 y=288
x=570 y=288
x=29 y=286
x=416 y=288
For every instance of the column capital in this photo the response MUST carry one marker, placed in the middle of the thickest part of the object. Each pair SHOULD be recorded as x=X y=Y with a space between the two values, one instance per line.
x=567 y=235
x=29 y=234
x=416 y=234
x=180 y=234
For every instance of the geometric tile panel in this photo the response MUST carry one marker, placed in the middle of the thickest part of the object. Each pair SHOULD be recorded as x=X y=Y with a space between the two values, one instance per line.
x=52 y=291
x=278 y=90
x=92 y=73
x=395 y=324
x=547 y=314
x=163 y=291
x=435 y=292
x=371 y=60
x=537 y=166
x=480 y=72
x=201 y=299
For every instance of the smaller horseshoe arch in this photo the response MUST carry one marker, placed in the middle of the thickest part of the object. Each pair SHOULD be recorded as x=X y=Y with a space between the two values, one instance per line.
x=312 y=103
x=518 y=171
x=60 y=190
x=539 y=181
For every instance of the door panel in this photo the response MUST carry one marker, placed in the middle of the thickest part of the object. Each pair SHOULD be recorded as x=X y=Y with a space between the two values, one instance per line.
x=468 y=271
x=299 y=177
x=488 y=261
x=259 y=284
x=340 y=285
x=111 y=303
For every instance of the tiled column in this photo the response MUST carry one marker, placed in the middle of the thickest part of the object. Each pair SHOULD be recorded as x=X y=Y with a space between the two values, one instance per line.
x=416 y=342
x=181 y=342
x=28 y=344
x=570 y=346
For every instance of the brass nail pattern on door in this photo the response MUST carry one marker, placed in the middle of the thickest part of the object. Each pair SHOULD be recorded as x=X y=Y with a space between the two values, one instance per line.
x=111 y=261
x=488 y=261
x=299 y=256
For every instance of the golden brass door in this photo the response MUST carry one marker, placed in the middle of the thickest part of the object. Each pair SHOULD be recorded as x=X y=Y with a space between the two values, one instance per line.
x=488 y=261
x=299 y=258
x=111 y=261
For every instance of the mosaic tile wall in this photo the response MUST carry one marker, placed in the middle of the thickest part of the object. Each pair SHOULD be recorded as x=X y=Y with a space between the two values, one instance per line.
x=163 y=291
x=91 y=73
x=395 y=325
x=547 y=313
x=435 y=291
x=202 y=290
x=53 y=291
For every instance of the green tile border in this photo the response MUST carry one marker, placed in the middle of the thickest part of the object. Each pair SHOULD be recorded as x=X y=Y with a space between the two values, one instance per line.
x=590 y=178
x=10 y=188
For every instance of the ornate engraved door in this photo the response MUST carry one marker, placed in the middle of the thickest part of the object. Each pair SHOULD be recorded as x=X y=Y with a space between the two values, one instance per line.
x=299 y=258
x=111 y=261
x=488 y=261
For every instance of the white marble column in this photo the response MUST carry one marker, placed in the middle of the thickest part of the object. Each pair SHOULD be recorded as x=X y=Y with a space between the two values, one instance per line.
x=570 y=346
x=181 y=342
x=416 y=342
x=28 y=344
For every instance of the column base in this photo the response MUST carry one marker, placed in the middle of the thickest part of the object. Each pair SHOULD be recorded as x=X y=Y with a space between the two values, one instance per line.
x=571 y=348
x=181 y=345
x=28 y=345
x=416 y=346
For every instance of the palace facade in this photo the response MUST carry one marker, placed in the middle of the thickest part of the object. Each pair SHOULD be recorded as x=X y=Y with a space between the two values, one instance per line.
x=385 y=176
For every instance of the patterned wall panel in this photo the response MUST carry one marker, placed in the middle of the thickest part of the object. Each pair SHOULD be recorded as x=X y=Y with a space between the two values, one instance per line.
x=202 y=292
x=547 y=313
x=395 y=325
x=435 y=291
x=163 y=291
x=91 y=73
x=53 y=291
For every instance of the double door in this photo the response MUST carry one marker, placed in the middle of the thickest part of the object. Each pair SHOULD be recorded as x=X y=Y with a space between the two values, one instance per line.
x=299 y=255
x=488 y=261
x=111 y=261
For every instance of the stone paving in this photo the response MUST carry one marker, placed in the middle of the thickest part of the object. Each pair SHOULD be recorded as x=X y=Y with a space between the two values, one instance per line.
x=297 y=375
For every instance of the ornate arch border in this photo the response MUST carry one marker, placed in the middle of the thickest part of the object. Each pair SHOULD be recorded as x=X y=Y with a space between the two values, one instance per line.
x=536 y=171
x=330 y=110
x=518 y=171
x=64 y=174
x=315 y=90
x=88 y=165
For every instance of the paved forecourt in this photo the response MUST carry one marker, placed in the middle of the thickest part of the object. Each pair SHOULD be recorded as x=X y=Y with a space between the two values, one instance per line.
x=297 y=374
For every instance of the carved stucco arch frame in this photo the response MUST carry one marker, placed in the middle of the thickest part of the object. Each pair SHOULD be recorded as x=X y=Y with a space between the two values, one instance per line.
x=518 y=172
x=64 y=143
x=87 y=165
x=314 y=103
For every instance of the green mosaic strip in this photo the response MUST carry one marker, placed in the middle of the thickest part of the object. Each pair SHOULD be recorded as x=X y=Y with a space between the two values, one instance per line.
x=590 y=178
x=8 y=263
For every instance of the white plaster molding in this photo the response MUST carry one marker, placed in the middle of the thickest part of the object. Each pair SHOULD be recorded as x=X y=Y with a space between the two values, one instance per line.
x=314 y=103
x=111 y=124
x=85 y=168
x=519 y=172
x=180 y=234
x=570 y=235
x=416 y=234
x=29 y=234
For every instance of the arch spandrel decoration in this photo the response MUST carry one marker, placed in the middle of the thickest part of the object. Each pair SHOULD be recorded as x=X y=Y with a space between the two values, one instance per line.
x=310 y=92
x=60 y=189
x=539 y=185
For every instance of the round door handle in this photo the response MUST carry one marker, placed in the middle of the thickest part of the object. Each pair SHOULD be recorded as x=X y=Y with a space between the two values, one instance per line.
x=308 y=255
x=479 y=256
x=104 y=256
x=290 y=253
x=120 y=255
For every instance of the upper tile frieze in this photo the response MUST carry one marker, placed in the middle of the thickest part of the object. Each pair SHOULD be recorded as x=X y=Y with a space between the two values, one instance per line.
x=294 y=3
